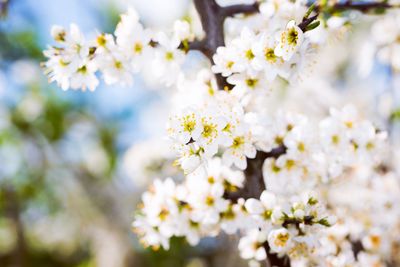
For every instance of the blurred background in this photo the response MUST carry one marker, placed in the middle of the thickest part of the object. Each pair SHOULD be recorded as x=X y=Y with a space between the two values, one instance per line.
x=73 y=164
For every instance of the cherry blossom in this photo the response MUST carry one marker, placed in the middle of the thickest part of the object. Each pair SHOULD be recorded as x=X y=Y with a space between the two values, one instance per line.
x=255 y=160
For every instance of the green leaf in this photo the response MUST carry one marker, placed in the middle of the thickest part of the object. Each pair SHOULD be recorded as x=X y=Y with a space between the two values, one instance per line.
x=313 y=25
x=309 y=11
x=312 y=201
x=324 y=222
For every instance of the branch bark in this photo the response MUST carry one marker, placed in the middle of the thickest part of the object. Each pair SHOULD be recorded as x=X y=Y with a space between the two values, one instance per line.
x=233 y=10
x=360 y=6
x=212 y=17
x=255 y=184
x=253 y=188
x=274 y=260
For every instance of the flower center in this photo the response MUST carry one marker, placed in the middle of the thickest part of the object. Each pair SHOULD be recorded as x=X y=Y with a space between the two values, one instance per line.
x=249 y=54
x=251 y=82
x=229 y=64
x=210 y=201
x=375 y=240
x=138 y=48
x=82 y=69
x=270 y=55
x=101 y=40
x=267 y=214
x=169 y=56
x=63 y=63
x=290 y=164
x=208 y=130
x=292 y=36
x=281 y=239
x=118 y=64
x=335 y=139
x=238 y=142
x=163 y=214
x=301 y=147
x=189 y=124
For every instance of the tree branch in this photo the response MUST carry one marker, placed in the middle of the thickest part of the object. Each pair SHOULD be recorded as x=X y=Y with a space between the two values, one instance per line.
x=255 y=184
x=274 y=260
x=360 y=6
x=212 y=17
x=212 y=22
x=233 y=10
x=253 y=187
x=197 y=45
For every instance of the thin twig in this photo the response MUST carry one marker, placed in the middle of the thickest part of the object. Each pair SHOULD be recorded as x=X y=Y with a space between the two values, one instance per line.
x=360 y=6
x=233 y=10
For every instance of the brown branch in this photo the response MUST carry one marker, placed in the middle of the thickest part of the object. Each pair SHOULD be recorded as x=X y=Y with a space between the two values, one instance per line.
x=212 y=22
x=275 y=260
x=255 y=185
x=198 y=45
x=253 y=188
x=212 y=17
x=357 y=247
x=233 y=10
x=360 y=6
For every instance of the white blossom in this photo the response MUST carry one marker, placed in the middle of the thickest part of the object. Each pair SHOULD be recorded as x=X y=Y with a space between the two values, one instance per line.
x=251 y=245
x=289 y=41
x=280 y=240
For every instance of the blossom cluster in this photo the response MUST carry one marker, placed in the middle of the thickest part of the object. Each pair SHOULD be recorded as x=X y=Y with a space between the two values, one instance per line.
x=194 y=209
x=317 y=152
x=289 y=227
x=198 y=134
x=314 y=151
x=209 y=139
x=75 y=62
x=198 y=208
x=354 y=196
x=219 y=136
x=252 y=61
